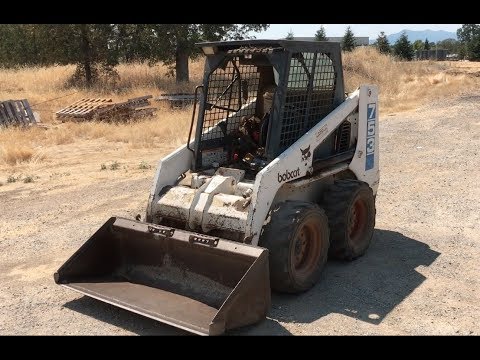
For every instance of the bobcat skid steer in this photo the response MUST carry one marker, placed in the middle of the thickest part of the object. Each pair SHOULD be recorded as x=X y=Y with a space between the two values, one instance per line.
x=281 y=173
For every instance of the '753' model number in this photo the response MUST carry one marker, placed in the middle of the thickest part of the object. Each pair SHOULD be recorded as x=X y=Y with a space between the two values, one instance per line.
x=370 y=140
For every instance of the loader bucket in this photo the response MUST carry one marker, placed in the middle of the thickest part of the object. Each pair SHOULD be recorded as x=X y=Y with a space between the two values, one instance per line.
x=198 y=283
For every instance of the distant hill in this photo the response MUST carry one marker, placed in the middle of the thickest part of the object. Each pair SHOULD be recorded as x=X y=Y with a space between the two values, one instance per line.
x=431 y=35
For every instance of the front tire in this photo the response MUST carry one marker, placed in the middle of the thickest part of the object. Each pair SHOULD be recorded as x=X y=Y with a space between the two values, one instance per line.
x=297 y=237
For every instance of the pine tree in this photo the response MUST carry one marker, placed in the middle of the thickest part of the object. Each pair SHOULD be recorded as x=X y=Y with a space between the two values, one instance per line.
x=382 y=43
x=348 y=41
x=289 y=35
x=320 y=35
x=403 y=48
x=427 y=45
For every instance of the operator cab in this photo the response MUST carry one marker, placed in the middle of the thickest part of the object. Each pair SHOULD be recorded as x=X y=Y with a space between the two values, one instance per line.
x=260 y=96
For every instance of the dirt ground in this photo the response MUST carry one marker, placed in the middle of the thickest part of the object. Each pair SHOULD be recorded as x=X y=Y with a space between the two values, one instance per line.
x=420 y=275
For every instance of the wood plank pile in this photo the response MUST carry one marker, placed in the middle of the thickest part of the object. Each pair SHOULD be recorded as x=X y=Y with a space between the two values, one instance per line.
x=106 y=110
x=177 y=100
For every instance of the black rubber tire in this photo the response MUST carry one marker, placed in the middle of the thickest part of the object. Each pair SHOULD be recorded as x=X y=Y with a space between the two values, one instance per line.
x=341 y=202
x=296 y=260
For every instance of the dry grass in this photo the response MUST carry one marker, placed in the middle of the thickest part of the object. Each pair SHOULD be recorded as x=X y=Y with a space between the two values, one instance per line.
x=169 y=127
x=403 y=86
x=41 y=84
x=13 y=154
x=406 y=85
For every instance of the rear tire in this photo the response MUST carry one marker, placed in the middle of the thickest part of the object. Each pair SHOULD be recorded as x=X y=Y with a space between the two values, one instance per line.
x=297 y=239
x=350 y=207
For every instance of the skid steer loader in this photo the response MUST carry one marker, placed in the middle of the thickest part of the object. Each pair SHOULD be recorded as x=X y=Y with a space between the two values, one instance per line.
x=281 y=173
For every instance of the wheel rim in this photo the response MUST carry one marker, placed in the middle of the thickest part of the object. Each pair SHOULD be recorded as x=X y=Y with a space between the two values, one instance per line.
x=357 y=221
x=306 y=249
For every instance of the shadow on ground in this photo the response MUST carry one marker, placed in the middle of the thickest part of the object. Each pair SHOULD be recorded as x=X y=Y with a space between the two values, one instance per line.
x=121 y=318
x=366 y=289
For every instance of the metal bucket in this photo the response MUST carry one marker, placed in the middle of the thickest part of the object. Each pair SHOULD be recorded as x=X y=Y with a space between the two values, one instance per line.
x=198 y=283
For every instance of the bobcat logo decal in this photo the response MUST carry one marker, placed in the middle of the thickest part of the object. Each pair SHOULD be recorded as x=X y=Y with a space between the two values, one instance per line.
x=306 y=153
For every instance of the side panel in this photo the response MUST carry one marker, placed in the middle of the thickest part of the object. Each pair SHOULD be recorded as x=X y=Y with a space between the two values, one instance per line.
x=168 y=171
x=365 y=163
x=293 y=163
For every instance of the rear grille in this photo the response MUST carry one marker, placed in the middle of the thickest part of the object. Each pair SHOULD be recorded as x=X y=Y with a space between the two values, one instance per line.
x=343 y=137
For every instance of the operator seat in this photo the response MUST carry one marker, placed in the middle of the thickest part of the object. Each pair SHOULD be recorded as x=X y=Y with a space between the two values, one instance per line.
x=266 y=110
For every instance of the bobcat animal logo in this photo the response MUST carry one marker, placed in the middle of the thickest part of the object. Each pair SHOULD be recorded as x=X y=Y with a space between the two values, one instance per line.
x=306 y=153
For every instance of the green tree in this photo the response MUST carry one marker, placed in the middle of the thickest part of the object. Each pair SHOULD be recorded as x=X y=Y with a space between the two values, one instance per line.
x=467 y=32
x=134 y=42
x=473 y=48
x=469 y=36
x=86 y=45
x=20 y=44
x=348 y=40
x=97 y=48
x=427 y=45
x=418 y=45
x=403 y=48
x=382 y=43
x=452 y=45
x=320 y=35
x=174 y=44
x=289 y=35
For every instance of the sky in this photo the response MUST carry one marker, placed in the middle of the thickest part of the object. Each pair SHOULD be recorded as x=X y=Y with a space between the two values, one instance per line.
x=276 y=31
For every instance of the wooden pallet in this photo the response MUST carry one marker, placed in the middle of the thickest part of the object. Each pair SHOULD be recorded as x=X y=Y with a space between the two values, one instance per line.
x=16 y=113
x=83 y=108
x=130 y=104
x=105 y=109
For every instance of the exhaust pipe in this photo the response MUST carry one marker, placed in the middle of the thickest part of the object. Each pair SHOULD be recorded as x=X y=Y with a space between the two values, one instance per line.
x=195 y=282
